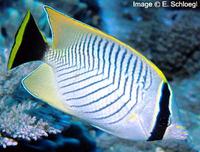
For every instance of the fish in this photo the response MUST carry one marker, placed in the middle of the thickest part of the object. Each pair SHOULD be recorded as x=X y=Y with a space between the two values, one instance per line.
x=95 y=77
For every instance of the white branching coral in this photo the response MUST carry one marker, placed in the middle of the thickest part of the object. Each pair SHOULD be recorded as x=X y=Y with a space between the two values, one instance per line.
x=16 y=120
x=4 y=141
x=16 y=123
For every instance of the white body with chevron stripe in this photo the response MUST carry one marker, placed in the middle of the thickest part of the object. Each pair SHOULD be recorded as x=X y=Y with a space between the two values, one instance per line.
x=93 y=76
x=107 y=85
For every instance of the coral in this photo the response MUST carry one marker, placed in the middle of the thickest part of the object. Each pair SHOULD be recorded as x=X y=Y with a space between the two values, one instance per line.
x=4 y=141
x=174 y=48
x=74 y=138
x=16 y=120
x=110 y=143
x=190 y=99
x=177 y=49
x=188 y=103
x=16 y=123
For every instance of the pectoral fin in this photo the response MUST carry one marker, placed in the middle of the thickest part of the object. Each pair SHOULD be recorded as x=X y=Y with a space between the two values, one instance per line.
x=41 y=84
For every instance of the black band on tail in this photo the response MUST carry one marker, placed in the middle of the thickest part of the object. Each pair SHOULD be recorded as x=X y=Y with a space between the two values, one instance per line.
x=29 y=44
x=163 y=115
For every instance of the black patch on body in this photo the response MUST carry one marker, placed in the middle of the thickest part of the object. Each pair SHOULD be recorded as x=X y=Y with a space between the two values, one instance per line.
x=163 y=115
x=32 y=47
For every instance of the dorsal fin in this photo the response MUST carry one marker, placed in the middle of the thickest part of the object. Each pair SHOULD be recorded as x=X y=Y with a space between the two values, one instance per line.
x=65 y=29
x=41 y=84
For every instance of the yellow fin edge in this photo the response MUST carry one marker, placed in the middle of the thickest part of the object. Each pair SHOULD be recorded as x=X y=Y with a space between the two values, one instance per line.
x=98 y=32
x=18 y=40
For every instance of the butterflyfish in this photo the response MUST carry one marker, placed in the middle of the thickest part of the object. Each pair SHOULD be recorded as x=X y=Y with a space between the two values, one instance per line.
x=93 y=76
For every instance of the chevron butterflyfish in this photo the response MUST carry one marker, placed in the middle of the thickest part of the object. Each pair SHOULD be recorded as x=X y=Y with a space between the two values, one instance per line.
x=91 y=75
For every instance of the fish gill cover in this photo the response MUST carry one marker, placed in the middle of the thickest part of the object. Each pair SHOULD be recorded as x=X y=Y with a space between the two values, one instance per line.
x=167 y=36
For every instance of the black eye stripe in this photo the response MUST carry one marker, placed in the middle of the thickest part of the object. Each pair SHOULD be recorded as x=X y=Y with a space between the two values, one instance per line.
x=162 y=119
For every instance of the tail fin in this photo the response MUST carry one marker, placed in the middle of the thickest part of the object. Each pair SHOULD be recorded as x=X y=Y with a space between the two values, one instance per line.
x=175 y=131
x=29 y=45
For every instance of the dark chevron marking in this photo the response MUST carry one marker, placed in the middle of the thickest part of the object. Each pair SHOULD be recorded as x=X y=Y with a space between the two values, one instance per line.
x=83 y=40
x=93 y=57
x=130 y=96
x=88 y=47
x=98 y=52
x=87 y=79
x=128 y=64
x=145 y=77
x=88 y=57
x=104 y=52
x=111 y=103
x=93 y=76
x=150 y=79
x=82 y=105
x=71 y=59
x=131 y=86
x=140 y=71
x=93 y=70
x=109 y=59
x=81 y=73
x=128 y=112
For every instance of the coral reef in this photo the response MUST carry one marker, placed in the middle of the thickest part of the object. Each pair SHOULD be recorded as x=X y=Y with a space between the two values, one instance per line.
x=15 y=121
x=73 y=138
x=180 y=46
x=173 y=48
x=188 y=102
x=110 y=143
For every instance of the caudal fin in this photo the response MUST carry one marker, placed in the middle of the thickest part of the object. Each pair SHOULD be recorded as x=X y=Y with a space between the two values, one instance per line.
x=29 y=44
x=176 y=131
